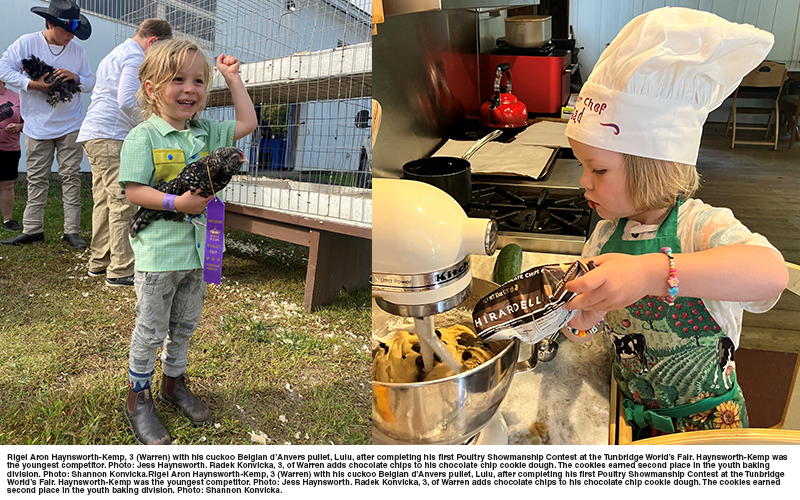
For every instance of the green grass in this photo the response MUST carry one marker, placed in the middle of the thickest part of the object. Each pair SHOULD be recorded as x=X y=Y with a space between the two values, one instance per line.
x=270 y=371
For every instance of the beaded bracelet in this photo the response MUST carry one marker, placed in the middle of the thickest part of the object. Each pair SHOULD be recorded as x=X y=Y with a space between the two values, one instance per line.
x=672 y=281
x=590 y=331
x=169 y=202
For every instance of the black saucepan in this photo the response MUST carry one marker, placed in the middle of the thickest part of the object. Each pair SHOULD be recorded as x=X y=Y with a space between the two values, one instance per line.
x=450 y=174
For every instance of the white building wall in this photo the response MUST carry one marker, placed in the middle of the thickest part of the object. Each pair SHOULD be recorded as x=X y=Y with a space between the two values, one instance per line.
x=597 y=22
x=332 y=146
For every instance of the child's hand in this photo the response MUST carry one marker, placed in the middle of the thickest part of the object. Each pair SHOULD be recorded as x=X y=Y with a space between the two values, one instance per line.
x=618 y=281
x=584 y=320
x=228 y=66
x=192 y=203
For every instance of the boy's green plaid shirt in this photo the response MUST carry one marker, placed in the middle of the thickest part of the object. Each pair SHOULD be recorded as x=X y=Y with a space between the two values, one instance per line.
x=154 y=149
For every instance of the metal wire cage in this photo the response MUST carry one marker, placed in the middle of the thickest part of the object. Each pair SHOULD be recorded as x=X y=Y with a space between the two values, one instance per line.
x=307 y=65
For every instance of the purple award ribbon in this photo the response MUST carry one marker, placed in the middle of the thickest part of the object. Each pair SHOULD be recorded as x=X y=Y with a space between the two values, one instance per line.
x=215 y=238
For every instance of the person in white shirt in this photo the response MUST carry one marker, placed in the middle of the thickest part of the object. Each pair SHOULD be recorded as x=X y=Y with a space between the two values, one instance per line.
x=51 y=129
x=111 y=115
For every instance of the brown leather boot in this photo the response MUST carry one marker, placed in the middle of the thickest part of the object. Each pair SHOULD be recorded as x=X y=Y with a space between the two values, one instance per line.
x=175 y=392
x=140 y=412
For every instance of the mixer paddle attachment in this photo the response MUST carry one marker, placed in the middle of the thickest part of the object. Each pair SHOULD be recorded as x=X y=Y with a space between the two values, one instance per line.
x=425 y=348
x=429 y=344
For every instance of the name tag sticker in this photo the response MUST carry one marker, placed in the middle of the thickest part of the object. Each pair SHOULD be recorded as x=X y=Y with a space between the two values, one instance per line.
x=215 y=238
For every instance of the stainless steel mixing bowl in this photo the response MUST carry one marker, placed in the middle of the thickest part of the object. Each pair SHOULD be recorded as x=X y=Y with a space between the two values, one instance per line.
x=450 y=410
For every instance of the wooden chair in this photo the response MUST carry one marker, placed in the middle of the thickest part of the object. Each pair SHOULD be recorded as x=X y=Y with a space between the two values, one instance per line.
x=764 y=82
x=791 y=112
x=787 y=431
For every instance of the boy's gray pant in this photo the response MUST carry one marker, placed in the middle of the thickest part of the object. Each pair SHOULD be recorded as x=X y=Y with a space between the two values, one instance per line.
x=168 y=311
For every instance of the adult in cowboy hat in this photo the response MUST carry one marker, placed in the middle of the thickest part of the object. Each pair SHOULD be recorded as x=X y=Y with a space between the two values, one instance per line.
x=66 y=15
x=51 y=129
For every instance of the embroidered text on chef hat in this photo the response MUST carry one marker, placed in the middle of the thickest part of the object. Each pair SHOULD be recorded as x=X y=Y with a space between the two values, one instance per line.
x=653 y=87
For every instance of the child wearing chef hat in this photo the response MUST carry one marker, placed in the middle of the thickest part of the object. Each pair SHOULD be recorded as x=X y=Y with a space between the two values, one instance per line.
x=673 y=274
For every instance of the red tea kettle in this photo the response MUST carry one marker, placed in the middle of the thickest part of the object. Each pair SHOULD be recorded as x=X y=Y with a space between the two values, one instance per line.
x=503 y=109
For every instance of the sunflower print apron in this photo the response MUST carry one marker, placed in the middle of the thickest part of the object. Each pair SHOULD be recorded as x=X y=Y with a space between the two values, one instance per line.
x=673 y=364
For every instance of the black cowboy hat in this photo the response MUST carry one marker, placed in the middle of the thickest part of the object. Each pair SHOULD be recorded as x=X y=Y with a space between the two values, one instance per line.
x=66 y=14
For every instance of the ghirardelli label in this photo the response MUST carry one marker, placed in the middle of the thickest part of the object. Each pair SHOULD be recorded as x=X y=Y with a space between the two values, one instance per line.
x=529 y=306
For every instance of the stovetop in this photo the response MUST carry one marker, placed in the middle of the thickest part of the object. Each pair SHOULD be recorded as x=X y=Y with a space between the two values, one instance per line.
x=547 y=215
x=542 y=213
x=547 y=50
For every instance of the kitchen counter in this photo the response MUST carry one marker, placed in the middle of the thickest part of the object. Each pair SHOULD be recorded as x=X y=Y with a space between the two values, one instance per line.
x=565 y=400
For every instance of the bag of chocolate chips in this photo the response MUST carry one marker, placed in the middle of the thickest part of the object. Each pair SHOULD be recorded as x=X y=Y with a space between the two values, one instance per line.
x=529 y=306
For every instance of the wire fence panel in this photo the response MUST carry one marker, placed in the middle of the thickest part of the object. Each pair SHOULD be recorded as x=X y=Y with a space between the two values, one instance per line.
x=307 y=65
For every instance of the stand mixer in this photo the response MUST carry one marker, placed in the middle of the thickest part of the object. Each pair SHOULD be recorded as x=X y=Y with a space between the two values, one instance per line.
x=421 y=247
x=421 y=244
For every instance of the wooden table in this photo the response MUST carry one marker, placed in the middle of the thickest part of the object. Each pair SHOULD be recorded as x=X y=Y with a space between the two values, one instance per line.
x=340 y=255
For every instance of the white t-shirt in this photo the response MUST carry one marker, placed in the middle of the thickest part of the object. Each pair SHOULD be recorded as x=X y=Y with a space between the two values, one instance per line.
x=113 y=111
x=700 y=227
x=43 y=121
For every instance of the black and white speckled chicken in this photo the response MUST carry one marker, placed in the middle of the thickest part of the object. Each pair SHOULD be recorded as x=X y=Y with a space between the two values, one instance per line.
x=60 y=91
x=222 y=164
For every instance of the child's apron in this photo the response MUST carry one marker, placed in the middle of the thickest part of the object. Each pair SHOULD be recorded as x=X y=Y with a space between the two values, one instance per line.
x=673 y=364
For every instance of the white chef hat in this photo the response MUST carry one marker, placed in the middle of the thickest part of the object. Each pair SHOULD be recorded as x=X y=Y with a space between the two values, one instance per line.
x=653 y=87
